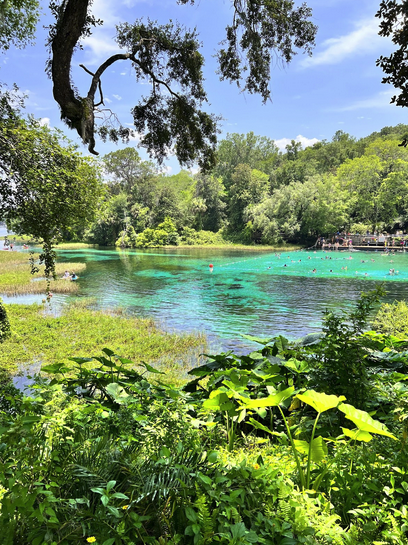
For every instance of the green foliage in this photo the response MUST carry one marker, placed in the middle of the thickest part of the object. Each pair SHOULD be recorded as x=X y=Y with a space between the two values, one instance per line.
x=18 y=23
x=392 y=319
x=165 y=234
x=39 y=171
x=37 y=336
x=5 y=330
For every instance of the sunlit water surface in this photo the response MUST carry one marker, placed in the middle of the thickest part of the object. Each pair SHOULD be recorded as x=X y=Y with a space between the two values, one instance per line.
x=247 y=292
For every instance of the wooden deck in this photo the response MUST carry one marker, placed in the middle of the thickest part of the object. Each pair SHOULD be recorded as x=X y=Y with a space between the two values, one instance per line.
x=368 y=249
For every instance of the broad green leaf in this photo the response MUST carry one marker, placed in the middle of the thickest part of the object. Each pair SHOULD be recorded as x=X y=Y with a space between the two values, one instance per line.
x=108 y=351
x=151 y=369
x=212 y=456
x=109 y=541
x=363 y=421
x=118 y=393
x=110 y=485
x=358 y=435
x=320 y=402
x=270 y=401
x=318 y=451
x=260 y=426
x=55 y=368
x=258 y=340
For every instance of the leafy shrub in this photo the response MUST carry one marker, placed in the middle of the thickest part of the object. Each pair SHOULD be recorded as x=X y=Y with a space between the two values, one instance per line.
x=5 y=331
x=201 y=238
x=392 y=319
x=164 y=234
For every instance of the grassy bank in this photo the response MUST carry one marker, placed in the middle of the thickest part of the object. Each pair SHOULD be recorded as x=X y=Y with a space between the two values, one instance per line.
x=16 y=279
x=41 y=337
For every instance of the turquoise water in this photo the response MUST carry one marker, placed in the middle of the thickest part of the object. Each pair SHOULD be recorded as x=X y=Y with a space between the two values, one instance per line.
x=247 y=292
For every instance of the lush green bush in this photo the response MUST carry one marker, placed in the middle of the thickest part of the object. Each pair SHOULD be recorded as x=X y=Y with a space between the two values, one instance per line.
x=5 y=331
x=192 y=237
x=105 y=452
x=392 y=319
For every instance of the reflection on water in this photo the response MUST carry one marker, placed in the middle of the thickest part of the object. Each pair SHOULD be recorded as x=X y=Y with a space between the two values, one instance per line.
x=256 y=293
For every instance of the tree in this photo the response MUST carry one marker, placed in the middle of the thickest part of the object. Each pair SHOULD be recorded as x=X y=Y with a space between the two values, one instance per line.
x=300 y=210
x=208 y=204
x=377 y=183
x=393 y=22
x=128 y=171
x=18 y=21
x=46 y=188
x=248 y=187
x=257 y=152
x=168 y=56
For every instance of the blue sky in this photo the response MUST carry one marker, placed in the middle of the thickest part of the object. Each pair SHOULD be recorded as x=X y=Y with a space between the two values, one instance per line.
x=338 y=88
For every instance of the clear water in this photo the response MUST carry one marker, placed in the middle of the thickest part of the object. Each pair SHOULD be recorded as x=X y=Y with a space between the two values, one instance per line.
x=247 y=292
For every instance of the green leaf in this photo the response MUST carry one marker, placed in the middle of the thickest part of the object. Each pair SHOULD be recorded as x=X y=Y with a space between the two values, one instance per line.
x=270 y=401
x=110 y=485
x=364 y=421
x=108 y=352
x=118 y=393
x=318 y=451
x=238 y=530
x=258 y=340
x=151 y=369
x=104 y=500
x=358 y=435
x=55 y=368
x=212 y=456
x=320 y=402
x=260 y=426
x=109 y=541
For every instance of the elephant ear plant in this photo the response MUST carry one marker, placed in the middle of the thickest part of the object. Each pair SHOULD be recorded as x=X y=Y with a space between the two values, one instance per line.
x=305 y=453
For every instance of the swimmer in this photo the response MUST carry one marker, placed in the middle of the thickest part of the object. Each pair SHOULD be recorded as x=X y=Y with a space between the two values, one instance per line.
x=373 y=260
x=331 y=270
x=314 y=270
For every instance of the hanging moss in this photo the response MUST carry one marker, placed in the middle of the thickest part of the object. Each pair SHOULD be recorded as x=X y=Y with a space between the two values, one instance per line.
x=4 y=324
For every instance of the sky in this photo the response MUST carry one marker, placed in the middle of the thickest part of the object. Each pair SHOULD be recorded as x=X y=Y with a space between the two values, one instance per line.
x=338 y=88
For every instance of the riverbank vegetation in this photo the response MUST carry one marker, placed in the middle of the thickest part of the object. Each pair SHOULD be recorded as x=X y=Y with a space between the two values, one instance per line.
x=39 y=337
x=16 y=278
x=250 y=450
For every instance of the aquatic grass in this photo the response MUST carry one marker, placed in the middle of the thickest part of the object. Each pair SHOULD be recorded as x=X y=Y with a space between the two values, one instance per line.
x=75 y=246
x=38 y=336
x=16 y=279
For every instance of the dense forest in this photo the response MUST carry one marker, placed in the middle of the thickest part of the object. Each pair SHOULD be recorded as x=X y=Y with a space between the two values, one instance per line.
x=257 y=194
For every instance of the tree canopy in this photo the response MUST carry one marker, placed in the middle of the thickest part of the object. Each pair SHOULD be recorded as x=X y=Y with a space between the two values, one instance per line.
x=168 y=57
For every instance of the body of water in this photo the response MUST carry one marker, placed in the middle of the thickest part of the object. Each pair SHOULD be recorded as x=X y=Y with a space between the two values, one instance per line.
x=257 y=293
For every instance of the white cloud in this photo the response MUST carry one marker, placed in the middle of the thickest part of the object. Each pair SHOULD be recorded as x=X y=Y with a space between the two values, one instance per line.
x=165 y=169
x=123 y=73
x=118 y=97
x=334 y=50
x=44 y=122
x=108 y=100
x=306 y=142
x=381 y=100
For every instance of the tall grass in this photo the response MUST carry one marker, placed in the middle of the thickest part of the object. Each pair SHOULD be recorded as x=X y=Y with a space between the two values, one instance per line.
x=16 y=279
x=38 y=336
